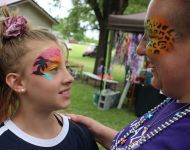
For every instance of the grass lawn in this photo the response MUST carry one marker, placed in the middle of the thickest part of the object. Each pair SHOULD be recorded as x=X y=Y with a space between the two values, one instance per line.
x=75 y=56
x=82 y=103
x=82 y=95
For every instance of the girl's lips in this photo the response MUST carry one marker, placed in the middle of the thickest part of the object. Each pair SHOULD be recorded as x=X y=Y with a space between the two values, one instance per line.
x=65 y=94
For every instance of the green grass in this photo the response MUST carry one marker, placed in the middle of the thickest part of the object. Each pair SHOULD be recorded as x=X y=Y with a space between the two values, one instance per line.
x=75 y=56
x=82 y=95
x=82 y=103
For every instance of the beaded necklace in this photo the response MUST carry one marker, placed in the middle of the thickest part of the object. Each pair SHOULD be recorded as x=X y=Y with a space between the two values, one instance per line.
x=177 y=114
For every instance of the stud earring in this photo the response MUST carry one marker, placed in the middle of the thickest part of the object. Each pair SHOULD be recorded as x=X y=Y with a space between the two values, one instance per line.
x=22 y=91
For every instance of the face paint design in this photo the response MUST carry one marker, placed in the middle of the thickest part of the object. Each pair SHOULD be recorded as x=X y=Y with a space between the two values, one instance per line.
x=48 y=60
x=161 y=36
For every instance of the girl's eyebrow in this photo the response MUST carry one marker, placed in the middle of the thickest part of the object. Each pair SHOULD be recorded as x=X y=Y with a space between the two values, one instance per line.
x=55 y=61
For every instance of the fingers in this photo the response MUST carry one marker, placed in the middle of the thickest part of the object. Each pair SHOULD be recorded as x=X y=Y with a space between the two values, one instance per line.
x=103 y=135
x=81 y=119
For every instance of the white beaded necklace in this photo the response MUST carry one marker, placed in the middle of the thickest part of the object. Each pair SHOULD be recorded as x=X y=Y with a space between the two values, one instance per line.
x=177 y=114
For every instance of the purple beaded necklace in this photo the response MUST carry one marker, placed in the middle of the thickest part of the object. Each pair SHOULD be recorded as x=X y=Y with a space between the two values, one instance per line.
x=171 y=118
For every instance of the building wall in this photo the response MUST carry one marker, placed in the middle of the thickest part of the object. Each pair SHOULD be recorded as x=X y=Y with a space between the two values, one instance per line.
x=36 y=17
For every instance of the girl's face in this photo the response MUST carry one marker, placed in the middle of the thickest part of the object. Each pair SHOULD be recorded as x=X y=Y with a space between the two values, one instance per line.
x=48 y=82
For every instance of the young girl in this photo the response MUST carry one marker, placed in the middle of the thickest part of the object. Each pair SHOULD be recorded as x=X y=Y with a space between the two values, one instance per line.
x=34 y=83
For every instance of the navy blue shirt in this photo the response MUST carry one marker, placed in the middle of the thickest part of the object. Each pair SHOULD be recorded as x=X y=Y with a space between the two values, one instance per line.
x=72 y=137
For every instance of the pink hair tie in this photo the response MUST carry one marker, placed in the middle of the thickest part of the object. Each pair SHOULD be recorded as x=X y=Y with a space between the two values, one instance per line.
x=14 y=26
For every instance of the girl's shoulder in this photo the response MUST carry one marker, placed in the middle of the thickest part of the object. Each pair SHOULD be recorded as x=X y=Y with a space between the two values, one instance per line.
x=74 y=128
x=80 y=135
x=3 y=128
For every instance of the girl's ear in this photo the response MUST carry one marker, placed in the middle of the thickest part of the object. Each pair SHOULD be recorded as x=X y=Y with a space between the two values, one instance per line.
x=14 y=81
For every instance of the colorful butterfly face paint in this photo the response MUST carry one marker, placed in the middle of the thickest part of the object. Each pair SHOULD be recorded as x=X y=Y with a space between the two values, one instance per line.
x=48 y=60
x=161 y=36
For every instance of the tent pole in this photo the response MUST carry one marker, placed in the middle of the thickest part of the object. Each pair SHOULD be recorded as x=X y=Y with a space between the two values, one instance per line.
x=124 y=93
x=106 y=58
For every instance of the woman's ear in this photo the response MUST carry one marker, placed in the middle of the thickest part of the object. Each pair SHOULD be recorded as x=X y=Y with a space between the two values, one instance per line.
x=14 y=81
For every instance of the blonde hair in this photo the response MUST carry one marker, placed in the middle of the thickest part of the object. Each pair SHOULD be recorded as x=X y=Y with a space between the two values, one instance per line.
x=12 y=50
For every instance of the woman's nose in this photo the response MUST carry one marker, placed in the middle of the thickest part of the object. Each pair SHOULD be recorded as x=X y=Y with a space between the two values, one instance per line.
x=141 y=48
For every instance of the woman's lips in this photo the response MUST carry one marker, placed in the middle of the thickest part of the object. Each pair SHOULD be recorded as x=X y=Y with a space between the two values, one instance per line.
x=153 y=70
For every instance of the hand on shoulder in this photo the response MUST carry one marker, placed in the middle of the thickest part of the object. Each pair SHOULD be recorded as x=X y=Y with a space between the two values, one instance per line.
x=103 y=134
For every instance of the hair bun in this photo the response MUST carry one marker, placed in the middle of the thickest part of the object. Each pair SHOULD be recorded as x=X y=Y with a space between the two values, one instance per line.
x=14 y=26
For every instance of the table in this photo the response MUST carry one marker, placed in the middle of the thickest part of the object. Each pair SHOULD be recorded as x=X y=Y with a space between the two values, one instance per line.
x=90 y=76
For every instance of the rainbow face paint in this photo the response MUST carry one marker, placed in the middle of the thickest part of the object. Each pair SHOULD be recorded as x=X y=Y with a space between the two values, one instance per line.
x=161 y=36
x=48 y=60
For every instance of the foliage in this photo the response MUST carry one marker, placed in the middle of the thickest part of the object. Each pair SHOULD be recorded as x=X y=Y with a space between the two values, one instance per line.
x=69 y=27
x=80 y=18
x=90 y=40
x=94 y=14
x=83 y=18
x=136 y=6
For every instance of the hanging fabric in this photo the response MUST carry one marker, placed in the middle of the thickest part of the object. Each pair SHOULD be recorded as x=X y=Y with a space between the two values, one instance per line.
x=125 y=53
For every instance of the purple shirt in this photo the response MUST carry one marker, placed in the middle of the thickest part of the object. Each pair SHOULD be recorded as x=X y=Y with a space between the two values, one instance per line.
x=174 y=137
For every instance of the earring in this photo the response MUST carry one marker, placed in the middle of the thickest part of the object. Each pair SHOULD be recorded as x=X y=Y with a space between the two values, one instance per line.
x=22 y=91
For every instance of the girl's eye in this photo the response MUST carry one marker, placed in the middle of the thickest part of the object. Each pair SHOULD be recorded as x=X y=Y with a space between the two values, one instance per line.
x=54 y=70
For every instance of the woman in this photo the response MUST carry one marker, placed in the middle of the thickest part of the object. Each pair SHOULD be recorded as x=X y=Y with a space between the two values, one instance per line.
x=166 y=44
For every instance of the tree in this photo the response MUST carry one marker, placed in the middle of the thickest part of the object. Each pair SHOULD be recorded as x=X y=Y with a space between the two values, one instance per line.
x=94 y=14
x=70 y=27
x=136 y=6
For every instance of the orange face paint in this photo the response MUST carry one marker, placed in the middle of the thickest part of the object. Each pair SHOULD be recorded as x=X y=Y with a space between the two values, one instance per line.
x=48 y=60
x=161 y=36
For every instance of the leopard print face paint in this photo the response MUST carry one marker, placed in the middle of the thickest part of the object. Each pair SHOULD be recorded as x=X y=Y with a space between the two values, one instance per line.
x=48 y=61
x=161 y=36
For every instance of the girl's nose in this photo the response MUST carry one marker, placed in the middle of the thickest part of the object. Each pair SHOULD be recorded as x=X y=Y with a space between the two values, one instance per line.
x=141 y=48
x=67 y=77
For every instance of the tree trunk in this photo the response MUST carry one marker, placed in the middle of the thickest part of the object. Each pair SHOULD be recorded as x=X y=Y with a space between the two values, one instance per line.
x=102 y=46
x=109 y=7
x=110 y=43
